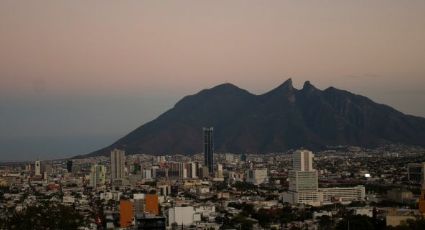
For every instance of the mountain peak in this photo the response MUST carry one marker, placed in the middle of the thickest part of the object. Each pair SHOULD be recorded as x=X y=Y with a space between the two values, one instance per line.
x=309 y=87
x=286 y=84
x=285 y=87
x=284 y=118
x=226 y=85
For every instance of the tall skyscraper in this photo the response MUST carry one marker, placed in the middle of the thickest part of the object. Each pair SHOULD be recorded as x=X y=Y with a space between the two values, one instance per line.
x=97 y=175
x=117 y=165
x=37 y=167
x=209 y=149
x=69 y=166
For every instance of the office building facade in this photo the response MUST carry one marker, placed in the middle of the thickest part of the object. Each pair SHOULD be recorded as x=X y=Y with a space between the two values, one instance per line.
x=97 y=176
x=209 y=149
x=117 y=166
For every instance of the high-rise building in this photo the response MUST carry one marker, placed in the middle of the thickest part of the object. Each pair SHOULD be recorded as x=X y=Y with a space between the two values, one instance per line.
x=117 y=166
x=97 y=175
x=176 y=170
x=192 y=169
x=302 y=160
x=37 y=167
x=303 y=180
x=69 y=166
x=219 y=173
x=209 y=149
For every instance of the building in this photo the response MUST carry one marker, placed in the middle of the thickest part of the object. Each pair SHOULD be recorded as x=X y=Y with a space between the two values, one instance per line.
x=37 y=167
x=343 y=194
x=126 y=213
x=415 y=172
x=204 y=172
x=302 y=160
x=257 y=176
x=219 y=173
x=192 y=170
x=181 y=216
x=400 y=195
x=209 y=149
x=303 y=180
x=422 y=200
x=396 y=217
x=117 y=166
x=151 y=204
x=69 y=166
x=139 y=203
x=97 y=176
x=177 y=170
x=147 y=174
x=148 y=222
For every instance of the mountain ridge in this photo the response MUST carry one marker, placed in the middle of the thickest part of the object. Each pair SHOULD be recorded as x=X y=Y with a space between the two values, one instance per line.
x=280 y=119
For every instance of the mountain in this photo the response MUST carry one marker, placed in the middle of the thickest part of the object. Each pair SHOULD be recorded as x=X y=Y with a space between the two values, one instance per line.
x=282 y=119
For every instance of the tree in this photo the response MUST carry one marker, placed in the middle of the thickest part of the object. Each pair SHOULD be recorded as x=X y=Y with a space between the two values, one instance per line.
x=325 y=222
x=46 y=216
x=356 y=222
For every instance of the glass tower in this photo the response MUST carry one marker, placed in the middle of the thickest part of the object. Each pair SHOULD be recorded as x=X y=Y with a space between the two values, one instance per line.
x=209 y=149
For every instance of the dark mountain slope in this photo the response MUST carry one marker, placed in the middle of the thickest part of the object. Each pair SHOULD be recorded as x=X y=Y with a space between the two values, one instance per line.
x=278 y=120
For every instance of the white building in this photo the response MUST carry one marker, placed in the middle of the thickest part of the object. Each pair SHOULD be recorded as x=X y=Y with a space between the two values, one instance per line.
x=303 y=180
x=193 y=170
x=37 y=167
x=257 y=176
x=219 y=173
x=304 y=187
x=343 y=194
x=302 y=160
x=147 y=174
x=97 y=175
x=181 y=216
x=117 y=166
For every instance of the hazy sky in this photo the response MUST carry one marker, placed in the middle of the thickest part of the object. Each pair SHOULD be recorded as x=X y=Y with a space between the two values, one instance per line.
x=77 y=75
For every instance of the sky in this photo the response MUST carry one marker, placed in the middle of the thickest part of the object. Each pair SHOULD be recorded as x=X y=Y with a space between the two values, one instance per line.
x=77 y=75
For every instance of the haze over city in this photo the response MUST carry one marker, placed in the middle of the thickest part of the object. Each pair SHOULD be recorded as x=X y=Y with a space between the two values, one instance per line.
x=77 y=75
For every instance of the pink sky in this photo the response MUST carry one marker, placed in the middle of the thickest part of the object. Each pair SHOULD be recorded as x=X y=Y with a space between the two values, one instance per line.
x=138 y=45
x=173 y=48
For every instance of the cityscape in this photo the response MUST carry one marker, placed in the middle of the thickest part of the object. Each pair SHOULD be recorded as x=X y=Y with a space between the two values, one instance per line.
x=343 y=186
x=212 y=115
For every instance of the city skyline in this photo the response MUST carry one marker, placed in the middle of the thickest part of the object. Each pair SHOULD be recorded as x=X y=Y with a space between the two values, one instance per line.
x=218 y=115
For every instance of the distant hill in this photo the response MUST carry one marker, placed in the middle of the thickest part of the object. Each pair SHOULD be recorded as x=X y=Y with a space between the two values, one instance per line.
x=282 y=119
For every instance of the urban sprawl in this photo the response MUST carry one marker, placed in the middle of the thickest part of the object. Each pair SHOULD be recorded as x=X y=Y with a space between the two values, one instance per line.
x=297 y=189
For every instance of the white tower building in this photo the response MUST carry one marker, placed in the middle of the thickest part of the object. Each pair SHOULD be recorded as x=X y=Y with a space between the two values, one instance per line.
x=117 y=166
x=37 y=167
x=302 y=160
x=97 y=175
x=303 y=180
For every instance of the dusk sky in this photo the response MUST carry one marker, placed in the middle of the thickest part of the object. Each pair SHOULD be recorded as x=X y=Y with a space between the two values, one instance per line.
x=77 y=75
